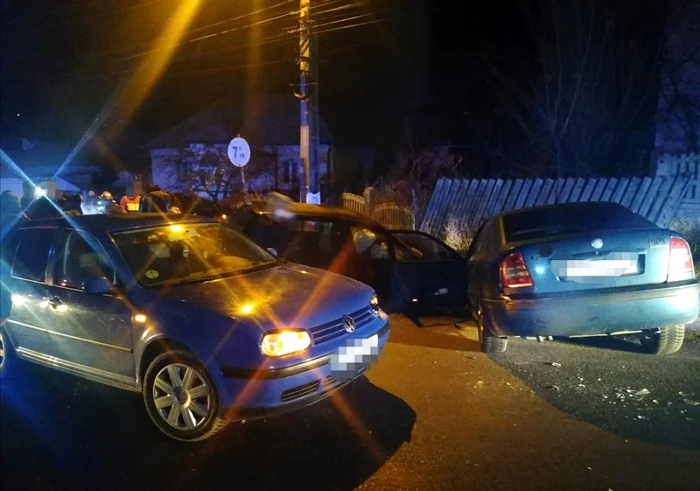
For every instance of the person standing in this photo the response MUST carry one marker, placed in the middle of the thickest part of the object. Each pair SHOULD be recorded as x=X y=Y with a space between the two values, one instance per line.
x=130 y=202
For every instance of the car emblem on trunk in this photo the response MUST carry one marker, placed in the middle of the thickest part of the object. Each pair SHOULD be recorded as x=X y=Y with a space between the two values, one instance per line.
x=597 y=243
x=349 y=323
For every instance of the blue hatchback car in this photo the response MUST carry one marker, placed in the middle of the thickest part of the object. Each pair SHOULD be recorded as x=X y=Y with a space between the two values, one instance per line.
x=207 y=325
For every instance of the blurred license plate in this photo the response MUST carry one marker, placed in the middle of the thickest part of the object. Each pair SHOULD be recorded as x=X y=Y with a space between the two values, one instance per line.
x=614 y=264
x=354 y=358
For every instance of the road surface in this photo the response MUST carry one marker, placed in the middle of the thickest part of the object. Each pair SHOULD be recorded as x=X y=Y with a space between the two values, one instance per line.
x=433 y=414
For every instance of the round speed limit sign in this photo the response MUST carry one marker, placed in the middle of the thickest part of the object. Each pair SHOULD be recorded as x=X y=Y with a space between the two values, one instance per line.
x=239 y=152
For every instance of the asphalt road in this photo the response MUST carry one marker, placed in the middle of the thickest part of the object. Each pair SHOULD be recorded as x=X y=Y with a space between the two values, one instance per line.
x=433 y=414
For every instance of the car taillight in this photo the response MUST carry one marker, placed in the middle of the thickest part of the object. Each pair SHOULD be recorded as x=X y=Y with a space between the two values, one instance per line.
x=680 y=259
x=514 y=272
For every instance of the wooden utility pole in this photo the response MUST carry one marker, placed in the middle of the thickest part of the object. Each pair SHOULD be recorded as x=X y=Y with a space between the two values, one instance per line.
x=315 y=163
x=304 y=68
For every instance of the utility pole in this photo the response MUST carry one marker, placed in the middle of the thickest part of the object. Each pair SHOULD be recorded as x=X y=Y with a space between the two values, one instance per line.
x=315 y=163
x=304 y=68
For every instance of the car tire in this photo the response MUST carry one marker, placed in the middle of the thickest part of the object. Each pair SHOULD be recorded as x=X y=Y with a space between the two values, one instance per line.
x=666 y=341
x=181 y=398
x=487 y=341
x=8 y=357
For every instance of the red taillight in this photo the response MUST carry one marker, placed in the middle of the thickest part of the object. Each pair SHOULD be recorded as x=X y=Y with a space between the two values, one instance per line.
x=680 y=259
x=514 y=272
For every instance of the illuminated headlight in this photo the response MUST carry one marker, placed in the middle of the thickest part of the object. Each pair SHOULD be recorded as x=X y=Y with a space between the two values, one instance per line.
x=286 y=342
x=374 y=303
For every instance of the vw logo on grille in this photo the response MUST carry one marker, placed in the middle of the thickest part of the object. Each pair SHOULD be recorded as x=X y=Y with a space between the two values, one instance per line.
x=597 y=243
x=349 y=323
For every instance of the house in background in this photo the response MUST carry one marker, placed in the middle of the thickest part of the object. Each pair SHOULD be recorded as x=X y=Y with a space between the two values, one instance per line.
x=677 y=143
x=40 y=162
x=193 y=152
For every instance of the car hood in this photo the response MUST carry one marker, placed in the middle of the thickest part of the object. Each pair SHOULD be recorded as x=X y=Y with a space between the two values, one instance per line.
x=281 y=296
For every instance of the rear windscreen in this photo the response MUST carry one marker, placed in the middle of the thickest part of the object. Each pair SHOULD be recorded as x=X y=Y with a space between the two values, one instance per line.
x=547 y=222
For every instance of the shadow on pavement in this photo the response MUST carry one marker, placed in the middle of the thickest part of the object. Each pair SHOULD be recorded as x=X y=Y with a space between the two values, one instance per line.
x=60 y=432
x=617 y=343
x=434 y=332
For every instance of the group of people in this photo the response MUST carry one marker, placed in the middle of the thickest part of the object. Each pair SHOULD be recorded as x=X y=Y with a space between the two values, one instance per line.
x=153 y=200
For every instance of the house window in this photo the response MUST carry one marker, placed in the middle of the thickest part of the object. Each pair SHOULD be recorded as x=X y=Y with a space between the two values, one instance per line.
x=291 y=172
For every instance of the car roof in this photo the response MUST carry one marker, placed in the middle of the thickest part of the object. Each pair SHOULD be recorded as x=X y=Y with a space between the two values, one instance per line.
x=307 y=210
x=116 y=222
x=579 y=205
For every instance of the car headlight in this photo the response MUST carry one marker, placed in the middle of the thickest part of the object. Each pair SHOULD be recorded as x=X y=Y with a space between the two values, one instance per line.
x=374 y=303
x=285 y=342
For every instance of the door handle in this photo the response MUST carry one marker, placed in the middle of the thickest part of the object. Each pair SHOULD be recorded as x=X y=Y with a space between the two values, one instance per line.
x=54 y=302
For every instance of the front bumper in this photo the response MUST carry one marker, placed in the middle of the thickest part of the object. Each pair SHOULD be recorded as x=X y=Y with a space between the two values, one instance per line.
x=266 y=393
x=593 y=313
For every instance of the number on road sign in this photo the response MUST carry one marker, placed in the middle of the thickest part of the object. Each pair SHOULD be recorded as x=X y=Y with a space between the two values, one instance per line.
x=239 y=152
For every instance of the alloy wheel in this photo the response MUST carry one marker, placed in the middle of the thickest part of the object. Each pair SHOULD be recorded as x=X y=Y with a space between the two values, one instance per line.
x=182 y=396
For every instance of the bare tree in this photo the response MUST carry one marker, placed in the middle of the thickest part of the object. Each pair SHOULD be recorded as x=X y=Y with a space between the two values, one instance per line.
x=583 y=108
x=678 y=114
x=206 y=170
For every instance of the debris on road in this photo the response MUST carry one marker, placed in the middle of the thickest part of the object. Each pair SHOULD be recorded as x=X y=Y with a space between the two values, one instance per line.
x=691 y=402
x=643 y=392
x=555 y=364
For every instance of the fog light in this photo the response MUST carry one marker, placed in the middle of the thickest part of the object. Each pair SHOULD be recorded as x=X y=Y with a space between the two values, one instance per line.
x=283 y=343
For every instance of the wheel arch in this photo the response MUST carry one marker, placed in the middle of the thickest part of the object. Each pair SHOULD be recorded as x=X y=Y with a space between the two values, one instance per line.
x=153 y=349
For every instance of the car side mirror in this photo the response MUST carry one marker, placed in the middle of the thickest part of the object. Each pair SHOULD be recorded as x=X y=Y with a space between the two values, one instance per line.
x=272 y=251
x=97 y=286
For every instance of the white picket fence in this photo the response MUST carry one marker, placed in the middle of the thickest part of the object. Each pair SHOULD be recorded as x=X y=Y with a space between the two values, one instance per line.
x=391 y=215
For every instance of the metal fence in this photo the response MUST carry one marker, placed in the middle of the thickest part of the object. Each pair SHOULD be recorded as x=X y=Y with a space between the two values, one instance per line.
x=466 y=202
x=391 y=215
x=353 y=202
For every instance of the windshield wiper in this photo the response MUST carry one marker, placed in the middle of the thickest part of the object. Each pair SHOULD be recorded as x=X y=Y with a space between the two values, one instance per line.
x=201 y=277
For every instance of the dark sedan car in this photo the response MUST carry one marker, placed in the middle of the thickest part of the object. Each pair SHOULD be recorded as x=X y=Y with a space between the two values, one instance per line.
x=409 y=270
x=581 y=269
x=207 y=325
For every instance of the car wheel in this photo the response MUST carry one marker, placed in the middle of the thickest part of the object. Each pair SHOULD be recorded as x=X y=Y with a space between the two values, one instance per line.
x=8 y=357
x=180 y=397
x=667 y=340
x=487 y=341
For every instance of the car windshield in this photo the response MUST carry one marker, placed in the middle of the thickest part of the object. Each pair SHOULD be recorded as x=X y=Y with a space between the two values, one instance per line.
x=185 y=253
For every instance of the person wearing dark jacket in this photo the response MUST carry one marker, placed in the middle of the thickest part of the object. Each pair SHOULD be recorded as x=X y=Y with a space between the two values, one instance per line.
x=154 y=201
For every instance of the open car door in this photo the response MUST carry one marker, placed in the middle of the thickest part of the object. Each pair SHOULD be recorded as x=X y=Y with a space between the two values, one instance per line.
x=427 y=273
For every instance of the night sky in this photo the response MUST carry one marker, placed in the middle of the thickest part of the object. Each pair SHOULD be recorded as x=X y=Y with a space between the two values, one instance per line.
x=388 y=68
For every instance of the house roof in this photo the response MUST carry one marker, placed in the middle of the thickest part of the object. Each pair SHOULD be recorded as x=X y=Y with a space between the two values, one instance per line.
x=267 y=120
x=40 y=159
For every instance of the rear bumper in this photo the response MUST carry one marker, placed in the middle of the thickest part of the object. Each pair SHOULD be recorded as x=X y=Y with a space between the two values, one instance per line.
x=268 y=393
x=590 y=314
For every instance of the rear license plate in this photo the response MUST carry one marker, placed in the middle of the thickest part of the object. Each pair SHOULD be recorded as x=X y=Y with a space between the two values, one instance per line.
x=354 y=358
x=614 y=264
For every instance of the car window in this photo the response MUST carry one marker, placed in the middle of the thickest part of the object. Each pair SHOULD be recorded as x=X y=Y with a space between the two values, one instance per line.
x=191 y=252
x=547 y=222
x=81 y=260
x=33 y=253
x=375 y=243
x=421 y=247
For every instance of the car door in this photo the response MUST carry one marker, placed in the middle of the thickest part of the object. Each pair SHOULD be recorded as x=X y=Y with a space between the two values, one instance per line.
x=428 y=272
x=28 y=253
x=91 y=332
